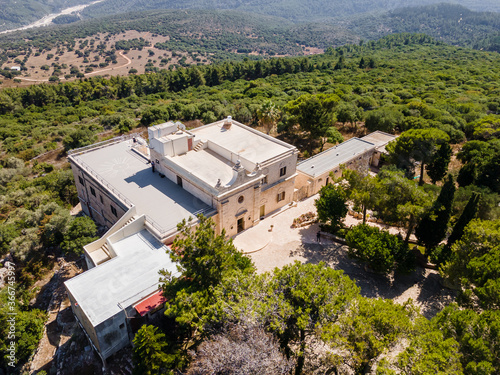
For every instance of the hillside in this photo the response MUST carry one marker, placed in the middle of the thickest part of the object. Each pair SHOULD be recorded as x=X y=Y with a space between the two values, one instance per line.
x=181 y=38
x=295 y=10
x=14 y=14
x=458 y=85
x=453 y=24
x=169 y=38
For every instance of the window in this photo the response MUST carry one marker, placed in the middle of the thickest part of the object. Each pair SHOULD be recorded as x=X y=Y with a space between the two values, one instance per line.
x=80 y=179
x=281 y=196
x=263 y=181
x=122 y=325
x=92 y=191
x=100 y=197
x=283 y=171
x=113 y=211
x=241 y=198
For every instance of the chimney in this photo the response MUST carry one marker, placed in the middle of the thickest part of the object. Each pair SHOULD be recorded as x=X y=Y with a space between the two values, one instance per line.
x=227 y=123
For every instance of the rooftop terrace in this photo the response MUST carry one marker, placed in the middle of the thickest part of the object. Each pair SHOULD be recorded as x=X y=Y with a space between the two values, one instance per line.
x=132 y=275
x=205 y=164
x=128 y=175
x=379 y=139
x=242 y=140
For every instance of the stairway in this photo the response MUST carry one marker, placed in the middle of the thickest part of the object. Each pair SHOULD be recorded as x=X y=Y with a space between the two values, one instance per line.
x=129 y=221
x=105 y=248
x=199 y=146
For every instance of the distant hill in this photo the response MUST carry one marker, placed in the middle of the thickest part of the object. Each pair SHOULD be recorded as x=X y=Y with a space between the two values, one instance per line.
x=452 y=24
x=14 y=14
x=294 y=10
x=207 y=35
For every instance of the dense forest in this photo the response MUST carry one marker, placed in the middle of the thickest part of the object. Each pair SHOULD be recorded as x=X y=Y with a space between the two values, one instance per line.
x=308 y=11
x=442 y=101
x=450 y=23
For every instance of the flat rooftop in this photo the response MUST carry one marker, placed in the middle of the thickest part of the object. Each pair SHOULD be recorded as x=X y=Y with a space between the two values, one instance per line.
x=129 y=174
x=132 y=275
x=242 y=140
x=333 y=157
x=206 y=165
x=379 y=139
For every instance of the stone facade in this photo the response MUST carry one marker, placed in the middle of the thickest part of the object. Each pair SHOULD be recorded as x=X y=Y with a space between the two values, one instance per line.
x=99 y=203
x=321 y=169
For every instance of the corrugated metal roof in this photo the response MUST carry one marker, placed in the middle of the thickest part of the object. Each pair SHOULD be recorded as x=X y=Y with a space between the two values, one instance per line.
x=333 y=157
x=150 y=303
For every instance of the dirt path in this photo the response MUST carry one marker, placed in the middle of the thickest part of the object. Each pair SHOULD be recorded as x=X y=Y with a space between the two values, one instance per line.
x=114 y=67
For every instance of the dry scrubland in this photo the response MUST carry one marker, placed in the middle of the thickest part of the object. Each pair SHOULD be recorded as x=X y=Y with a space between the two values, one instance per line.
x=126 y=60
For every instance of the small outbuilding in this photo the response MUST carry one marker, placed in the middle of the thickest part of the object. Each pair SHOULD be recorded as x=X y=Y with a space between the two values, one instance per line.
x=314 y=173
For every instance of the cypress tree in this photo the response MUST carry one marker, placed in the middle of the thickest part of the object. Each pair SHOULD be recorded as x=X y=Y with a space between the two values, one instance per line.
x=432 y=228
x=362 y=63
x=438 y=166
x=467 y=215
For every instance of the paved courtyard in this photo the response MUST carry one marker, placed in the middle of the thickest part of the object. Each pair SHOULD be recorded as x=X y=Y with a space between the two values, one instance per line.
x=283 y=245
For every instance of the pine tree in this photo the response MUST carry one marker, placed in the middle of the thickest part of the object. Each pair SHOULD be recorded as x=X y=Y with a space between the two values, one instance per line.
x=341 y=63
x=149 y=354
x=432 y=228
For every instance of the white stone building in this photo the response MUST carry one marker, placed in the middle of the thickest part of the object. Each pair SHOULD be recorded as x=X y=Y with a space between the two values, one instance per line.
x=140 y=191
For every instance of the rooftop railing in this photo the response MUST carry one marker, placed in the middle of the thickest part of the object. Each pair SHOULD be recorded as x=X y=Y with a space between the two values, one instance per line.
x=82 y=150
x=162 y=233
x=105 y=184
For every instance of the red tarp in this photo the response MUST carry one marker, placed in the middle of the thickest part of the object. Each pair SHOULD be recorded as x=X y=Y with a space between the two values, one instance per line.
x=150 y=303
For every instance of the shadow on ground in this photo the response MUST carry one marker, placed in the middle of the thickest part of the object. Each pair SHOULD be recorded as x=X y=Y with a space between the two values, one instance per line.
x=423 y=286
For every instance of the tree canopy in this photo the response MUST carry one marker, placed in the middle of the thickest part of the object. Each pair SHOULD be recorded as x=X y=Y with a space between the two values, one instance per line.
x=331 y=205
x=417 y=145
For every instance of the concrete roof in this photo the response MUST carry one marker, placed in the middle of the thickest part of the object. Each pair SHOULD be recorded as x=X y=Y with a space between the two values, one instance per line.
x=333 y=157
x=126 y=172
x=132 y=275
x=242 y=140
x=206 y=165
x=379 y=139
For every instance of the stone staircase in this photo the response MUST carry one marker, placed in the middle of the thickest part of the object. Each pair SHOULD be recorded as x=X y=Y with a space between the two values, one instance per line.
x=105 y=248
x=199 y=146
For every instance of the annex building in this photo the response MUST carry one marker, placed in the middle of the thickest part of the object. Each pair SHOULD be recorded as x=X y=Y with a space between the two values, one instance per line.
x=140 y=190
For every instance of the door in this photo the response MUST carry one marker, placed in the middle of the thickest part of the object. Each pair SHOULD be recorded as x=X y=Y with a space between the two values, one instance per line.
x=262 y=211
x=179 y=181
x=241 y=225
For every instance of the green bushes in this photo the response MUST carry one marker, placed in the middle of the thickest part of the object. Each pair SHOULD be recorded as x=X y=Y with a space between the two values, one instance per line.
x=382 y=251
